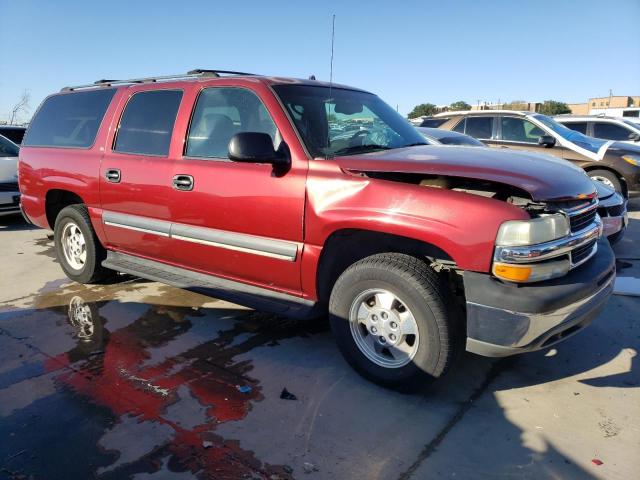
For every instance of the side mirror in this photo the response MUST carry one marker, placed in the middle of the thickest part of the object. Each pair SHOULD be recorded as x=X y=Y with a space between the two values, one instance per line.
x=634 y=137
x=547 y=141
x=255 y=147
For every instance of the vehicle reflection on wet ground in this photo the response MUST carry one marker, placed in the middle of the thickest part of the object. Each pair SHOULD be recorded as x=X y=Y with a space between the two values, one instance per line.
x=162 y=372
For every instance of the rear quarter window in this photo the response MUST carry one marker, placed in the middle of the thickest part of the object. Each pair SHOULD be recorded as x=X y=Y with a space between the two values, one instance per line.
x=69 y=120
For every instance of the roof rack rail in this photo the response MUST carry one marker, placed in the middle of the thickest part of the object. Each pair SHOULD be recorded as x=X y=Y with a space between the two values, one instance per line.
x=196 y=73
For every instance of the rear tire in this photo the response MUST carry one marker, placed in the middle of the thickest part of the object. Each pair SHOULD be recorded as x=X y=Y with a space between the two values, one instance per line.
x=78 y=250
x=369 y=308
x=607 y=177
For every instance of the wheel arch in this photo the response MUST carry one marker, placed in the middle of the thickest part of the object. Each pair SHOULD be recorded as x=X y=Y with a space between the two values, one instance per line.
x=345 y=247
x=598 y=166
x=56 y=199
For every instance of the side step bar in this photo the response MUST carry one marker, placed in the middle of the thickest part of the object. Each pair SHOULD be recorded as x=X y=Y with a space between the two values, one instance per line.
x=236 y=292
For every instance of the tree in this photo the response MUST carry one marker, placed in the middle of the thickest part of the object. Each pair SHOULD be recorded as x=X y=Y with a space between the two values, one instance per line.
x=551 y=107
x=21 y=107
x=423 y=110
x=516 y=105
x=459 y=105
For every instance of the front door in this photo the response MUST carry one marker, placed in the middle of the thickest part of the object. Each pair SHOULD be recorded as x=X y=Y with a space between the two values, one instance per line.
x=520 y=134
x=241 y=221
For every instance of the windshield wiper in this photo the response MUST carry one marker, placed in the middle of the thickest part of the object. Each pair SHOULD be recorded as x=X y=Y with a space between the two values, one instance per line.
x=360 y=149
x=415 y=144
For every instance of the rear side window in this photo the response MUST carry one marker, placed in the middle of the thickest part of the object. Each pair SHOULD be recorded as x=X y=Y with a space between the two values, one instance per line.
x=460 y=126
x=147 y=123
x=610 y=131
x=479 y=127
x=69 y=120
x=577 y=126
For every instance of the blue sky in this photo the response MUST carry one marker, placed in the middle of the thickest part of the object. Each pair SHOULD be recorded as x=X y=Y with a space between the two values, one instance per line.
x=407 y=52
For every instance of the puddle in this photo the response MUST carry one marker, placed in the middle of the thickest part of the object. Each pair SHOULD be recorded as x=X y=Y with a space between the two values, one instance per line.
x=112 y=371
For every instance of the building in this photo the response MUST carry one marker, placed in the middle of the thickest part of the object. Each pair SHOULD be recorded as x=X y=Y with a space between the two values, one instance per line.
x=615 y=105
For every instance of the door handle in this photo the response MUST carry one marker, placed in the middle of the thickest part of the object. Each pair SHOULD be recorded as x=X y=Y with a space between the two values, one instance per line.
x=112 y=175
x=183 y=182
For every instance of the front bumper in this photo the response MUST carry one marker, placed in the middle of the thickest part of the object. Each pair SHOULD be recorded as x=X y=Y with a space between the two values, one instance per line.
x=9 y=203
x=505 y=319
x=614 y=215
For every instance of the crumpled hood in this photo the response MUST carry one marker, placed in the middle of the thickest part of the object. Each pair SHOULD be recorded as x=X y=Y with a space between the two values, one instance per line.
x=544 y=177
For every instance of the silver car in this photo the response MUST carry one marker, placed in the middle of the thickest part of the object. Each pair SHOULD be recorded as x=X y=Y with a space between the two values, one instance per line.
x=9 y=193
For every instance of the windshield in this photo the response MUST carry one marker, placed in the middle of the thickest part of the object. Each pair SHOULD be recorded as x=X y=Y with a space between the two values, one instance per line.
x=337 y=121
x=581 y=140
x=8 y=148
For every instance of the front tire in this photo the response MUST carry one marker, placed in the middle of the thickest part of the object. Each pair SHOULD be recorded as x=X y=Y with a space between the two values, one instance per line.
x=388 y=313
x=78 y=250
x=607 y=177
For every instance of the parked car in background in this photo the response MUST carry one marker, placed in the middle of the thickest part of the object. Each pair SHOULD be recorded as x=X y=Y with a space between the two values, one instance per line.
x=15 y=133
x=9 y=192
x=612 y=206
x=437 y=136
x=233 y=185
x=605 y=128
x=613 y=163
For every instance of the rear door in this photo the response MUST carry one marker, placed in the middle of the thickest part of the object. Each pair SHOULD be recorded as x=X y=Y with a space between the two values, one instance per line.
x=136 y=171
x=242 y=221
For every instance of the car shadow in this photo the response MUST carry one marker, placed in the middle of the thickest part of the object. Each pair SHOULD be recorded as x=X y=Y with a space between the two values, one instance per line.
x=15 y=223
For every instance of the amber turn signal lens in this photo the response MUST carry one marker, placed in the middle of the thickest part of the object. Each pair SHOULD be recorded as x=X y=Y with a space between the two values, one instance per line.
x=512 y=273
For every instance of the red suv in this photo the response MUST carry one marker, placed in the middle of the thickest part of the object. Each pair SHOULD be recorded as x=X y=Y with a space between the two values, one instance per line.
x=302 y=197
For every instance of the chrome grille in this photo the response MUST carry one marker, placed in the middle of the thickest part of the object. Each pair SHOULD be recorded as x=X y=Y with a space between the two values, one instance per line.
x=582 y=220
x=581 y=254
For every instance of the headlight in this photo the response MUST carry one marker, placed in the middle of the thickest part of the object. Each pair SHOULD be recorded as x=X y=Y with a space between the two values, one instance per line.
x=531 y=232
x=532 y=272
x=632 y=159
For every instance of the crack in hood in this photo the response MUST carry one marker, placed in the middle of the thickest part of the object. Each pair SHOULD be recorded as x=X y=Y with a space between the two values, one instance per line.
x=545 y=178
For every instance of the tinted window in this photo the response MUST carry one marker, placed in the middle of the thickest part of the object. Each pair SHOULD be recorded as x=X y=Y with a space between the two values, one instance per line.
x=479 y=127
x=7 y=148
x=459 y=126
x=520 y=130
x=610 y=131
x=147 y=123
x=433 y=122
x=577 y=126
x=222 y=112
x=69 y=120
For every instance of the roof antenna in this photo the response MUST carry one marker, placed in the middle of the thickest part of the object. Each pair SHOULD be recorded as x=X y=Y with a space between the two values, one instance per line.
x=333 y=32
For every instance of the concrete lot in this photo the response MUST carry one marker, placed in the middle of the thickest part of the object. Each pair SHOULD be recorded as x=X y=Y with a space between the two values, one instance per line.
x=140 y=380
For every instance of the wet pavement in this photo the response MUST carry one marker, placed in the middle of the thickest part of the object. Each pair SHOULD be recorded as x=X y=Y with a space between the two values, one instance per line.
x=140 y=380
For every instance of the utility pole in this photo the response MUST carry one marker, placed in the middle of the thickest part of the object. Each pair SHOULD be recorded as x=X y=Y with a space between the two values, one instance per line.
x=609 y=102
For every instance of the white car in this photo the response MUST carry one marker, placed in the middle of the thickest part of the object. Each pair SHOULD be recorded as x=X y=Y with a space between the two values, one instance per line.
x=599 y=126
x=9 y=192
